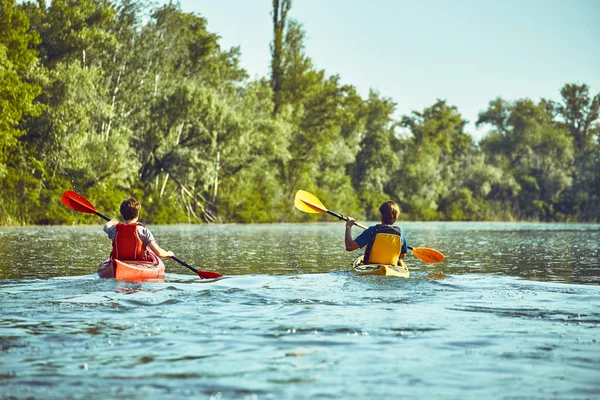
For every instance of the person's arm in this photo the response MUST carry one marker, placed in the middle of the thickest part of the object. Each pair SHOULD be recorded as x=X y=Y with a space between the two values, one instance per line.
x=404 y=249
x=148 y=239
x=110 y=227
x=351 y=245
x=156 y=249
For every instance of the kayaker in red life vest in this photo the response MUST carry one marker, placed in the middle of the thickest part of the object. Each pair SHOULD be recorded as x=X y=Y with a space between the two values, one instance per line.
x=385 y=242
x=131 y=239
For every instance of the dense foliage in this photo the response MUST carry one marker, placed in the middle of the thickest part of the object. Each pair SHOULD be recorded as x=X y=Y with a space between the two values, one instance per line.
x=113 y=99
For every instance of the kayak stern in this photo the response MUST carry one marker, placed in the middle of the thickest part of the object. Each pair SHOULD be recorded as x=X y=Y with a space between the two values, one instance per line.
x=133 y=270
x=400 y=270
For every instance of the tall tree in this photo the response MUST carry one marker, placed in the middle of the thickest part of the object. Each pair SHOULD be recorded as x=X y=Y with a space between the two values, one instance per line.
x=430 y=160
x=279 y=14
x=376 y=160
x=580 y=113
x=183 y=94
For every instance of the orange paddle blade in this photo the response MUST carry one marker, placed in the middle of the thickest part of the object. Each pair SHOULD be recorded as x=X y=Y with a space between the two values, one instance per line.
x=77 y=202
x=428 y=255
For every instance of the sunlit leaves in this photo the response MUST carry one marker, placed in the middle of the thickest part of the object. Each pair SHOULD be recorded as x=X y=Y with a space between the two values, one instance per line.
x=74 y=30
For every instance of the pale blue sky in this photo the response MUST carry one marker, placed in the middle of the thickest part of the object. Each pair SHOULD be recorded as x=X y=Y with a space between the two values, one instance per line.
x=414 y=52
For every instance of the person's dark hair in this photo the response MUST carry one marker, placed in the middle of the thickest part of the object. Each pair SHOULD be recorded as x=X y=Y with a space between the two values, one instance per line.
x=130 y=208
x=389 y=212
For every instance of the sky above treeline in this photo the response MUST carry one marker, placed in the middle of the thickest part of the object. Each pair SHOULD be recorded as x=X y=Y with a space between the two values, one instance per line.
x=467 y=52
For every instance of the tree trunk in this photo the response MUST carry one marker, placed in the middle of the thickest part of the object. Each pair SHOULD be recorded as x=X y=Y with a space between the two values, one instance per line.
x=280 y=10
x=216 y=186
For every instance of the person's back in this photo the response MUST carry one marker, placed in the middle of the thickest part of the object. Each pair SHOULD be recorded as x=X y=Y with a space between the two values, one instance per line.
x=385 y=247
x=127 y=243
x=132 y=239
x=385 y=243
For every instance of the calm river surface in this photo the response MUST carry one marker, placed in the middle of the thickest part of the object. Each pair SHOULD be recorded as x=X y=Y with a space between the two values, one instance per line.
x=512 y=313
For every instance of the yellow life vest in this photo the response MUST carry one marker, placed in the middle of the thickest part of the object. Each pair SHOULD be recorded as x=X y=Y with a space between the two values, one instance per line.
x=385 y=247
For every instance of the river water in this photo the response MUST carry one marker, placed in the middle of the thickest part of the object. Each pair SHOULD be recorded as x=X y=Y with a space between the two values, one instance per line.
x=512 y=313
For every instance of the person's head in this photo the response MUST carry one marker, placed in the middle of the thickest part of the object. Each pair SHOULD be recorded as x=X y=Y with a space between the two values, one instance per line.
x=130 y=209
x=389 y=212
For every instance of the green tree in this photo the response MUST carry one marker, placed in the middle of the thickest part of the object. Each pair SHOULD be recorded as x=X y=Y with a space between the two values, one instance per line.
x=279 y=15
x=431 y=159
x=68 y=136
x=526 y=143
x=18 y=77
x=193 y=118
x=320 y=110
x=74 y=30
x=580 y=114
x=376 y=160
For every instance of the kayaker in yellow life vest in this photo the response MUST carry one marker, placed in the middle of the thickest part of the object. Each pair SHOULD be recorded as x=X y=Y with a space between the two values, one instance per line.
x=130 y=239
x=385 y=242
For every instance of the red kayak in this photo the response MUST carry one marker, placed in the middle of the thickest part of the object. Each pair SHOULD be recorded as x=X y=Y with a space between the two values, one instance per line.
x=132 y=270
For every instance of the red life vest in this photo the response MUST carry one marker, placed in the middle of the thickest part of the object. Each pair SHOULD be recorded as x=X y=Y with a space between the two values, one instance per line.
x=127 y=244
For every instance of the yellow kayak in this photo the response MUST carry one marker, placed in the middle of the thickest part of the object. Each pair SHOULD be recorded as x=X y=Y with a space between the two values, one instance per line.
x=400 y=270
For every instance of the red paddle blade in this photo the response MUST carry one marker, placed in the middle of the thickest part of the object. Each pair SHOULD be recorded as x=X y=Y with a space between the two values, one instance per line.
x=209 y=275
x=201 y=274
x=77 y=202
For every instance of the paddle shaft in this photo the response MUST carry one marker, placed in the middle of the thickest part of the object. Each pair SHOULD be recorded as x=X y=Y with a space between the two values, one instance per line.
x=188 y=266
x=340 y=216
x=98 y=213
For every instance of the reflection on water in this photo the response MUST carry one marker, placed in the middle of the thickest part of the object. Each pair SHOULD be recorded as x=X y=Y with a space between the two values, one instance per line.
x=544 y=252
x=291 y=321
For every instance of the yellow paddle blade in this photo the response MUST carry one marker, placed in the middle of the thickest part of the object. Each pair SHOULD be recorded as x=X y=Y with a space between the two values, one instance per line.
x=428 y=255
x=308 y=203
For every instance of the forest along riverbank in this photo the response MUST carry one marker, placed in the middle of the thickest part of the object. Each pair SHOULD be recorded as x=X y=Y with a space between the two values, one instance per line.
x=197 y=139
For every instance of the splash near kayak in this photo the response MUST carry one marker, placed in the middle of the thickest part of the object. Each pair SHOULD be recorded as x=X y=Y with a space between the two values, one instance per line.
x=132 y=270
x=400 y=270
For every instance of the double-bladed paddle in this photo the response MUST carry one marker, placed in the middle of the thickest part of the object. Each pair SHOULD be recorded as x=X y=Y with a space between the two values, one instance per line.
x=309 y=203
x=77 y=202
